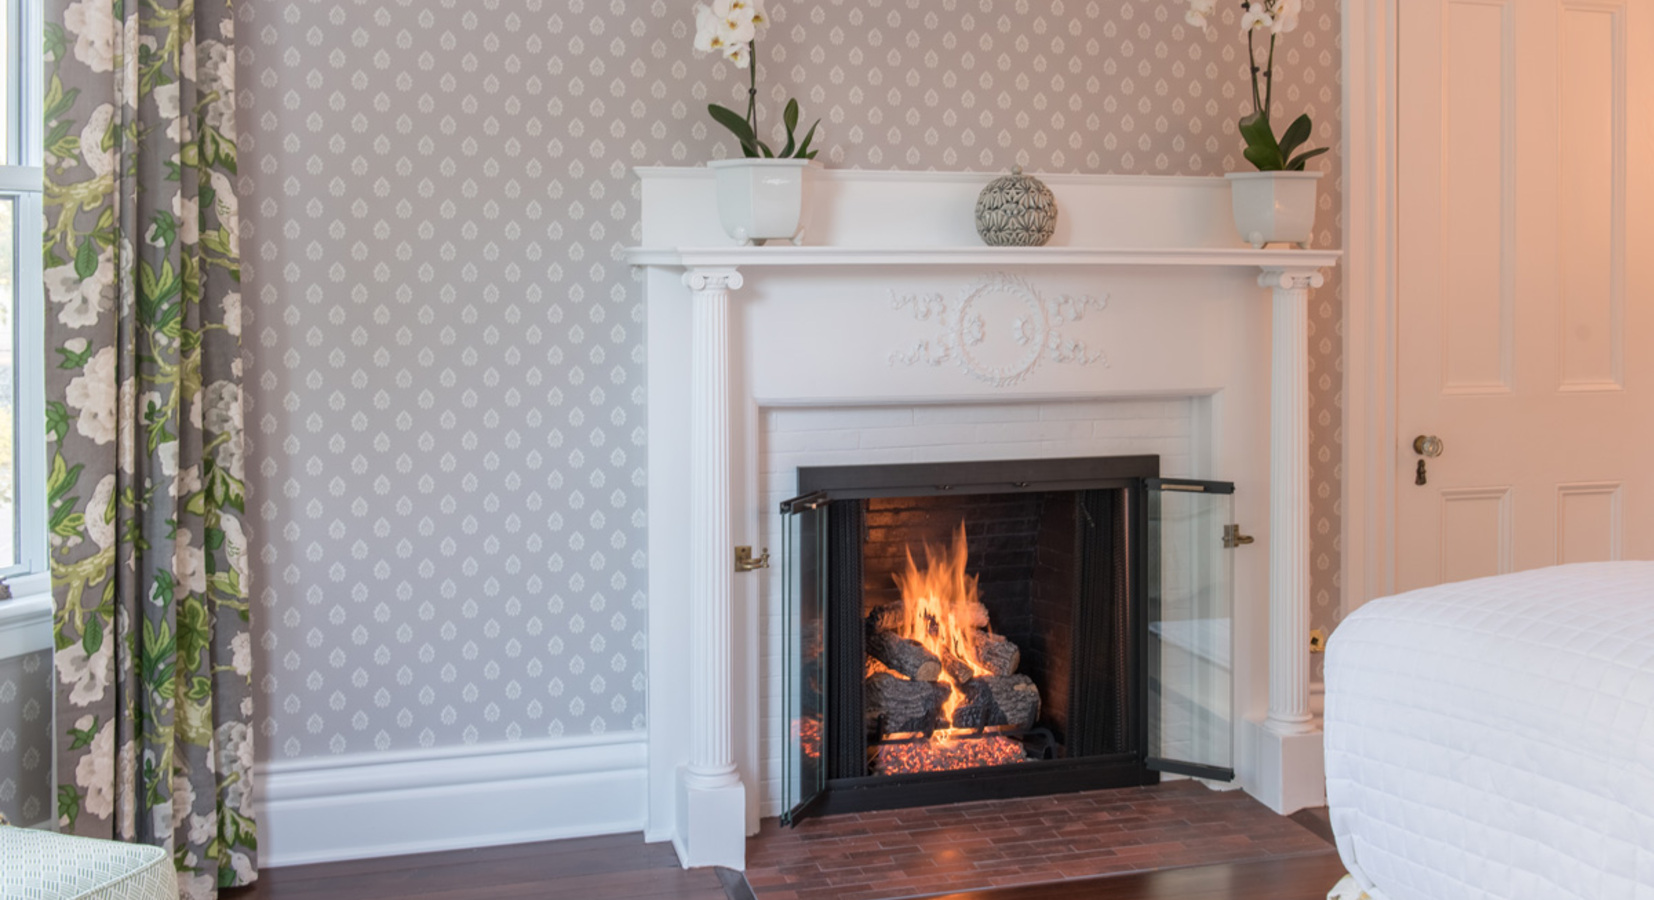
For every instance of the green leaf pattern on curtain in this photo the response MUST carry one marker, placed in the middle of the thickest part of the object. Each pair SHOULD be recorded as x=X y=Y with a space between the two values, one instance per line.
x=146 y=495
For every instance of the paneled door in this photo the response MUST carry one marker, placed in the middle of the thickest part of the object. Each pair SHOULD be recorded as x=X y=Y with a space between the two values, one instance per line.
x=1525 y=380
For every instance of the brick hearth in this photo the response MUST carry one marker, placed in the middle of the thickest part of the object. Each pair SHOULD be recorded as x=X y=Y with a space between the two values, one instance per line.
x=964 y=846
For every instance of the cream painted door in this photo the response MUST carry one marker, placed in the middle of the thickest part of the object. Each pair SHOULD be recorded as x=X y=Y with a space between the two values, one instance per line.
x=1526 y=285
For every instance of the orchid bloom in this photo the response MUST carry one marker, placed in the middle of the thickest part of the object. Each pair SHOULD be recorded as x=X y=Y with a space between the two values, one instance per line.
x=1286 y=15
x=1198 y=11
x=1256 y=17
x=707 y=36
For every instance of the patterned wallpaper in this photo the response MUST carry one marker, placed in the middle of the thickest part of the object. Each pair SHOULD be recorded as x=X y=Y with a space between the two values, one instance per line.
x=446 y=419
x=26 y=738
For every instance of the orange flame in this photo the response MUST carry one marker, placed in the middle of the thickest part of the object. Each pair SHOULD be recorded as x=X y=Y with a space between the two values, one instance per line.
x=940 y=610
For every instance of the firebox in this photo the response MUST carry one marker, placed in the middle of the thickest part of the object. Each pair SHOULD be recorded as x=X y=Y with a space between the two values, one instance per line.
x=960 y=631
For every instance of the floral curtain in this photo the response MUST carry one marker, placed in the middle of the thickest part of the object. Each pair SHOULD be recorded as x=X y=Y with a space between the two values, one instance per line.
x=144 y=418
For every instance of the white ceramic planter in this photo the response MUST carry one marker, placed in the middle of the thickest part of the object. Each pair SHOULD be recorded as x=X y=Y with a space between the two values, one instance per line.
x=764 y=199
x=1274 y=206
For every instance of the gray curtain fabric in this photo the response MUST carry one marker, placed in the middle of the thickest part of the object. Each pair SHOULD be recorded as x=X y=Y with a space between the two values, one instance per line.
x=144 y=419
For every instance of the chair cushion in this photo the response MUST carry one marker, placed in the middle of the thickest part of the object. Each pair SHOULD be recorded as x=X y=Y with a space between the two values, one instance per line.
x=40 y=865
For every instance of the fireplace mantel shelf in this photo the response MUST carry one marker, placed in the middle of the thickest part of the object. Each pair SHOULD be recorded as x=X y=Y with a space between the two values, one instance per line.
x=744 y=257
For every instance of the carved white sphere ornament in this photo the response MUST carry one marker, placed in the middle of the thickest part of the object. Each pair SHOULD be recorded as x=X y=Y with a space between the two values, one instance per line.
x=1016 y=210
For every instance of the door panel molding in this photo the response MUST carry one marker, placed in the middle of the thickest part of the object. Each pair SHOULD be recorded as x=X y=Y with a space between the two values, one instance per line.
x=1591 y=312
x=1606 y=500
x=1460 y=520
x=1478 y=128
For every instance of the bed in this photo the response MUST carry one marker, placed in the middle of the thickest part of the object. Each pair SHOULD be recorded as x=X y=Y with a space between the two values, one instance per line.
x=1495 y=738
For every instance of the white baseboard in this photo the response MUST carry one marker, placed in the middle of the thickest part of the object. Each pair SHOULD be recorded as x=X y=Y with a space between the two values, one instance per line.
x=390 y=804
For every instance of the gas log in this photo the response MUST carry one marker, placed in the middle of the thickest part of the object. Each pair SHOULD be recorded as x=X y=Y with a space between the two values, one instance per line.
x=904 y=656
x=998 y=700
x=998 y=653
x=884 y=643
x=898 y=705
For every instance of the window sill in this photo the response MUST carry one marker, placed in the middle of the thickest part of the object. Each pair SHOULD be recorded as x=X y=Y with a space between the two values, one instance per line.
x=26 y=619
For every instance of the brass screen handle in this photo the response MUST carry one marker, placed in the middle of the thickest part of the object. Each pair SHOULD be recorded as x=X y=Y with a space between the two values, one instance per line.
x=746 y=562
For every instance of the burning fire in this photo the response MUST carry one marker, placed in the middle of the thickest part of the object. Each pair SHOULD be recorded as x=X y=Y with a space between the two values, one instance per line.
x=940 y=610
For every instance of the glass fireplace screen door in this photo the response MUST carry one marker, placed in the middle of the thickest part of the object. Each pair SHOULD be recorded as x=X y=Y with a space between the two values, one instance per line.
x=1190 y=644
x=804 y=652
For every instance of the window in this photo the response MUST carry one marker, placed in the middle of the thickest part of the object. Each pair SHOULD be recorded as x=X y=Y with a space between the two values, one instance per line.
x=22 y=336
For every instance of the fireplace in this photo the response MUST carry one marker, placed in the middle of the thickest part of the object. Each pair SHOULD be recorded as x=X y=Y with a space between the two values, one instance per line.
x=961 y=631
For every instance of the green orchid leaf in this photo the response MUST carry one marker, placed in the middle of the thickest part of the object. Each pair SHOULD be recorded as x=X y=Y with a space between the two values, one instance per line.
x=1264 y=160
x=1295 y=135
x=1261 y=149
x=768 y=153
x=737 y=126
x=804 y=151
x=1297 y=163
x=789 y=117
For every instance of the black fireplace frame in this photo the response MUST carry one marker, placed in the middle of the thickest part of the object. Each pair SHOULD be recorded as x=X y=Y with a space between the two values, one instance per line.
x=847 y=786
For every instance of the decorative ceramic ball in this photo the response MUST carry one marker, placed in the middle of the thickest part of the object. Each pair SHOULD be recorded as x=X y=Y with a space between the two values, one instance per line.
x=1016 y=210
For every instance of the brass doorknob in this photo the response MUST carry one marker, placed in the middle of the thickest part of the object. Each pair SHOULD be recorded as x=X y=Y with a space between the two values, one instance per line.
x=1428 y=445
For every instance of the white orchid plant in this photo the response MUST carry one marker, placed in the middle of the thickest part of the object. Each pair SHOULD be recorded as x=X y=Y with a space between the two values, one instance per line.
x=730 y=28
x=1277 y=17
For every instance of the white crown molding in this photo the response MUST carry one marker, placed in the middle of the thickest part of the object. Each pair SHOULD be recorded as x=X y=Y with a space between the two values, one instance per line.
x=391 y=804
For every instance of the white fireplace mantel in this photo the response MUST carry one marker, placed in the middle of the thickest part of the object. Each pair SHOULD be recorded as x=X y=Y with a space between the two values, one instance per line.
x=754 y=318
x=843 y=258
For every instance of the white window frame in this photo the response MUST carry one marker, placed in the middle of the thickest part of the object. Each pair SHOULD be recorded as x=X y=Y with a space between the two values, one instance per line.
x=23 y=184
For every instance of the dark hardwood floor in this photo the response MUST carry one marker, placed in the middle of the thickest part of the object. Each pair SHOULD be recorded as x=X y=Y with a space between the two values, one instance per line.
x=623 y=867
x=616 y=867
x=1298 y=878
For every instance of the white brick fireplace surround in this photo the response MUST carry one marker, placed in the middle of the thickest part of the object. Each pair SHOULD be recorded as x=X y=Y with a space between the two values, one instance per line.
x=1144 y=327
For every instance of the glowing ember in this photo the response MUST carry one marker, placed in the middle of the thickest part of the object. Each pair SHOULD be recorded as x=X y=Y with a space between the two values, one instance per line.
x=944 y=756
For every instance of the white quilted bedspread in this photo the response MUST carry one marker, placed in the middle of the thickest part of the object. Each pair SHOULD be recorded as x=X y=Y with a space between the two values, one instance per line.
x=1495 y=738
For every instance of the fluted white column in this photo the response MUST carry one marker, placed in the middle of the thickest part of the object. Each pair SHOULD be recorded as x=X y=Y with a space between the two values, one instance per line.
x=711 y=592
x=1289 y=538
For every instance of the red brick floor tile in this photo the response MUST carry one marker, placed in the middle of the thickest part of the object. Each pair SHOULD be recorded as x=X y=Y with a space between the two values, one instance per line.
x=913 y=852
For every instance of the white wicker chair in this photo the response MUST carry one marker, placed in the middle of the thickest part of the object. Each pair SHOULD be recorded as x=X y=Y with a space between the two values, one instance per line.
x=40 y=865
